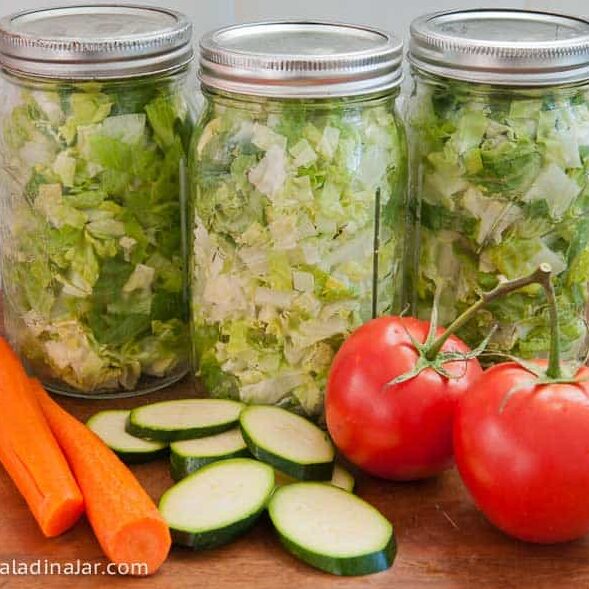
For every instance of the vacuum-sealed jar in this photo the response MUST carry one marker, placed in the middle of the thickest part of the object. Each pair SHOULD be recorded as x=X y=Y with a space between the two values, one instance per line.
x=297 y=171
x=94 y=126
x=499 y=141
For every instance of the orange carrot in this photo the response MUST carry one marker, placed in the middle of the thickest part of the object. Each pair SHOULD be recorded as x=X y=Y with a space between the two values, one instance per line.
x=30 y=453
x=125 y=520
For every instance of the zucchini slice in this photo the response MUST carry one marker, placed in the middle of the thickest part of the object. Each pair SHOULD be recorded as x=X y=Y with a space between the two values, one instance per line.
x=217 y=503
x=340 y=478
x=188 y=456
x=343 y=479
x=169 y=421
x=109 y=426
x=332 y=529
x=288 y=442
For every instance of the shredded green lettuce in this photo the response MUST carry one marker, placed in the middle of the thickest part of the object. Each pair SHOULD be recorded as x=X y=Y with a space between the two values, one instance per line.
x=502 y=181
x=286 y=197
x=93 y=268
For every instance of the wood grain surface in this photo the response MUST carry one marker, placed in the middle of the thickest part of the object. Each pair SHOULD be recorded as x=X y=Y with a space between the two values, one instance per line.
x=444 y=542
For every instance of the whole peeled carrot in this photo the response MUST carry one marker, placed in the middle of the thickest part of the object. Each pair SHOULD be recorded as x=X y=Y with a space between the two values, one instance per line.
x=126 y=522
x=30 y=453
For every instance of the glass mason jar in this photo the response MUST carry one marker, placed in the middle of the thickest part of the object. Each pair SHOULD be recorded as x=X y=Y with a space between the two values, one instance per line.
x=93 y=137
x=297 y=170
x=499 y=151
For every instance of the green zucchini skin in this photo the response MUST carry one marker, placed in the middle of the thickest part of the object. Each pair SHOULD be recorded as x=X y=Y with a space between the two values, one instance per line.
x=142 y=457
x=164 y=435
x=302 y=510
x=303 y=472
x=366 y=564
x=182 y=466
x=130 y=454
x=216 y=538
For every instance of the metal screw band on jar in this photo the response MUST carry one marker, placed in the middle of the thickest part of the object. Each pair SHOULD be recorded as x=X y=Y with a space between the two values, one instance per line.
x=300 y=59
x=502 y=46
x=105 y=41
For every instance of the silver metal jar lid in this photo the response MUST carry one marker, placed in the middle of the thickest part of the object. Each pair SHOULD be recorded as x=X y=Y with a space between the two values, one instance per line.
x=100 y=41
x=502 y=46
x=299 y=59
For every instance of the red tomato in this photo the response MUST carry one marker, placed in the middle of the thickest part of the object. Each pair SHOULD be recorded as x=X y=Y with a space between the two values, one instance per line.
x=525 y=459
x=404 y=431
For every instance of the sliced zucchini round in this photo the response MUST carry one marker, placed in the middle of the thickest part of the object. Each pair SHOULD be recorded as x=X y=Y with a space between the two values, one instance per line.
x=188 y=456
x=109 y=426
x=340 y=478
x=332 y=529
x=343 y=479
x=217 y=503
x=169 y=421
x=288 y=442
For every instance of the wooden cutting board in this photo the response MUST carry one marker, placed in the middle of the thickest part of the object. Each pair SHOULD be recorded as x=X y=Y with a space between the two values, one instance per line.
x=443 y=541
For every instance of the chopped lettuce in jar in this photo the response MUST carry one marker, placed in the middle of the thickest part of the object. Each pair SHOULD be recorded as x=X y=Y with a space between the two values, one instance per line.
x=501 y=177
x=296 y=240
x=93 y=272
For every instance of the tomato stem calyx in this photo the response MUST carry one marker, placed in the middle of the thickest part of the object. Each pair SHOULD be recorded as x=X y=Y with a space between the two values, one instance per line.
x=540 y=379
x=540 y=276
x=431 y=354
x=554 y=374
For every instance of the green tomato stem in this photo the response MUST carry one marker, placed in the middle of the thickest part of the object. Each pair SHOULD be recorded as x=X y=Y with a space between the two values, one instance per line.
x=540 y=276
